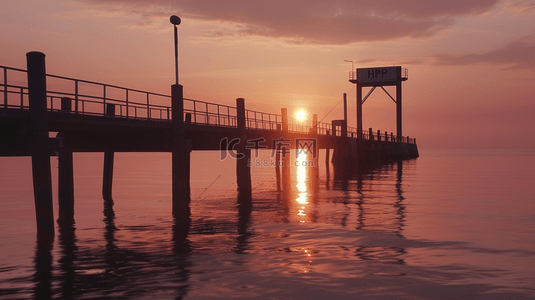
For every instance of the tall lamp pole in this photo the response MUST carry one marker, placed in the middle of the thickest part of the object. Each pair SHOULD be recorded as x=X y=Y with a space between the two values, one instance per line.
x=176 y=21
x=352 y=66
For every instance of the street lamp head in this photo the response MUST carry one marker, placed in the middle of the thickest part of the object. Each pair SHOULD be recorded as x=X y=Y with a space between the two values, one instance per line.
x=175 y=20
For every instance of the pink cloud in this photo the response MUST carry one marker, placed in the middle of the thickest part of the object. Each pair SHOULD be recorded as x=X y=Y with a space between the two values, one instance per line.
x=316 y=21
x=518 y=54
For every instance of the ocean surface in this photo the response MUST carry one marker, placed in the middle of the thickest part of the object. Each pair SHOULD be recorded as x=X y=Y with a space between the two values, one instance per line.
x=451 y=224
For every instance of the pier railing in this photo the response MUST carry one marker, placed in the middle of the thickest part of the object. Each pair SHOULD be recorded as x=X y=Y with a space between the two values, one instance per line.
x=91 y=98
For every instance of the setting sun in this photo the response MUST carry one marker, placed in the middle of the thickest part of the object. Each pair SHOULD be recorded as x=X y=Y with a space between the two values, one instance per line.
x=300 y=115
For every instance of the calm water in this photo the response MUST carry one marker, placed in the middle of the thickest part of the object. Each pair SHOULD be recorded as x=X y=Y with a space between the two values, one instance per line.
x=452 y=224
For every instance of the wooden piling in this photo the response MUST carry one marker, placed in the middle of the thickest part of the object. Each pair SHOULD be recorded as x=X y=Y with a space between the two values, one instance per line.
x=65 y=173
x=42 y=178
x=284 y=115
x=285 y=159
x=243 y=170
x=359 y=111
x=314 y=133
x=107 y=178
x=398 y=106
x=277 y=152
x=180 y=159
x=345 y=107
x=187 y=166
x=278 y=162
x=327 y=153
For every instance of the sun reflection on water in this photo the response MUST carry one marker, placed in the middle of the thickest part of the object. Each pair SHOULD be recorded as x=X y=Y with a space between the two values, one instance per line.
x=303 y=195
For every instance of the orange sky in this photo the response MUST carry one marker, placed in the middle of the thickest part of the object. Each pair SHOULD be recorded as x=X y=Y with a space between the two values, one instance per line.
x=471 y=63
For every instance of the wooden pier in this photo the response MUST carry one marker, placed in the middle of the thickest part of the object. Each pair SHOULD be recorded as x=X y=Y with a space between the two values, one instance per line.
x=56 y=116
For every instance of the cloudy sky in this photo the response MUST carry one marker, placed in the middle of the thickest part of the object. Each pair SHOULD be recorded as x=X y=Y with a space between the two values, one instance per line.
x=471 y=63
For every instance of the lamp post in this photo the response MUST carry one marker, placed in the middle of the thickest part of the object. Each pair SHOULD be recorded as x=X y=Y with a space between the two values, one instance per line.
x=352 y=66
x=180 y=157
x=176 y=21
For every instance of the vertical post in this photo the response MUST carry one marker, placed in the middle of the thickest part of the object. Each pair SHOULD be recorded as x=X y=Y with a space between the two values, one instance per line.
x=345 y=107
x=176 y=55
x=187 y=166
x=370 y=134
x=285 y=155
x=359 y=111
x=180 y=162
x=104 y=99
x=76 y=108
x=398 y=107
x=42 y=178
x=284 y=114
x=378 y=135
x=277 y=153
x=327 y=152
x=278 y=160
x=66 y=104
x=315 y=124
x=5 y=88
x=243 y=170
x=316 y=153
x=65 y=173
x=107 y=178
x=148 y=106
x=127 y=103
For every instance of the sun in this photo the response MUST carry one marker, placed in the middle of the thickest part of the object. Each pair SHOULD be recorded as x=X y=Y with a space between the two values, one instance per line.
x=301 y=115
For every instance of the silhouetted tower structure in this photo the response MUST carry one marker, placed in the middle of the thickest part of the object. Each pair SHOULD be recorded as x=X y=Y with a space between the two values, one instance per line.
x=379 y=77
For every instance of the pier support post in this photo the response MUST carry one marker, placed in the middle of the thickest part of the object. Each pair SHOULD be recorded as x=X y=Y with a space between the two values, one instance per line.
x=314 y=132
x=398 y=106
x=316 y=154
x=359 y=111
x=315 y=125
x=42 y=178
x=107 y=178
x=284 y=115
x=180 y=157
x=327 y=152
x=345 y=107
x=278 y=163
x=284 y=151
x=65 y=173
x=243 y=170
